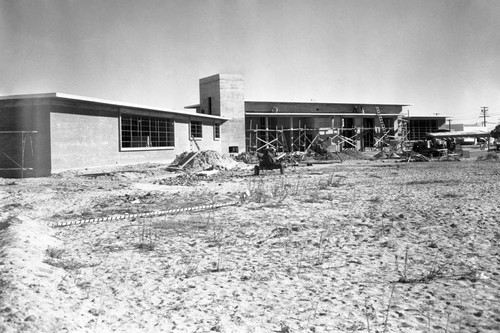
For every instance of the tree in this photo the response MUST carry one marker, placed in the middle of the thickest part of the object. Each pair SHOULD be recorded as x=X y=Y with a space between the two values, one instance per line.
x=495 y=133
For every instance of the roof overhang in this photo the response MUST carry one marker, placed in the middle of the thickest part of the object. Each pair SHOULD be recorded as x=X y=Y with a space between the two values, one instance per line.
x=332 y=103
x=459 y=134
x=77 y=98
x=317 y=114
x=423 y=117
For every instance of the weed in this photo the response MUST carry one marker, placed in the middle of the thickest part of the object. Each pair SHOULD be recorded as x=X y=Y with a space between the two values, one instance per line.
x=366 y=315
x=188 y=267
x=334 y=181
x=54 y=253
x=298 y=186
x=284 y=328
x=280 y=189
x=257 y=190
x=320 y=248
x=218 y=241
x=55 y=258
x=452 y=195
x=68 y=264
x=402 y=275
x=331 y=181
x=314 y=195
x=147 y=237
x=433 y=182
x=376 y=199
x=436 y=271
x=388 y=308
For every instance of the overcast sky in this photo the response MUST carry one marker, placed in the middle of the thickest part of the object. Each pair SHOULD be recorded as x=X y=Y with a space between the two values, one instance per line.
x=442 y=56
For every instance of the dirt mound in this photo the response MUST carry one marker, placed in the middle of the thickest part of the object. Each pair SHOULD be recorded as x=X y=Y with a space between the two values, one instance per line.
x=206 y=160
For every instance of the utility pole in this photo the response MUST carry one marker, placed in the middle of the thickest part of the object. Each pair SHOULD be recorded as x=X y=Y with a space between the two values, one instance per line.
x=484 y=110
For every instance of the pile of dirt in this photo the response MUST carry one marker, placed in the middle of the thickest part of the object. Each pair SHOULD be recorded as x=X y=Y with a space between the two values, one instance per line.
x=206 y=160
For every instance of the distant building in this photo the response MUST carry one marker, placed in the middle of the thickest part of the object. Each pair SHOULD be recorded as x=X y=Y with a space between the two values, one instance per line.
x=419 y=126
x=468 y=128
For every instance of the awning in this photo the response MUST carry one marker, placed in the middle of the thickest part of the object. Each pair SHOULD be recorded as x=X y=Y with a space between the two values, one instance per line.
x=459 y=134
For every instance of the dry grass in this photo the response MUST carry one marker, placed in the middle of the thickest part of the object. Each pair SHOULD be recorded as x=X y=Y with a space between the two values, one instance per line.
x=307 y=252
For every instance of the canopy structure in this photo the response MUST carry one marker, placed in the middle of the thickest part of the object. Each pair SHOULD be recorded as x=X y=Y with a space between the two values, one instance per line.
x=459 y=134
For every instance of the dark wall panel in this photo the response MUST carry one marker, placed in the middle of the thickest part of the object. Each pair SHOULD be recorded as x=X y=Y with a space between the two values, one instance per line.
x=27 y=150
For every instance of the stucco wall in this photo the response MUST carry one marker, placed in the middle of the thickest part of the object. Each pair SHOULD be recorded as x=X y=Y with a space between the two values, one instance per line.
x=92 y=140
x=207 y=142
x=232 y=107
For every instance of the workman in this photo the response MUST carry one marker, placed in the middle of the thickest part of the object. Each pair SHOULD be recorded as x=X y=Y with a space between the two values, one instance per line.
x=269 y=157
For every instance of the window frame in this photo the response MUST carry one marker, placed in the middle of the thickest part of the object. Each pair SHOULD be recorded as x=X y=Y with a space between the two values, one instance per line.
x=161 y=130
x=199 y=124
x=217 y=131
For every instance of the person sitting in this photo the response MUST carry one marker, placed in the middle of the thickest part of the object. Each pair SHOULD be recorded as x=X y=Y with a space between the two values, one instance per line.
x=268 y=158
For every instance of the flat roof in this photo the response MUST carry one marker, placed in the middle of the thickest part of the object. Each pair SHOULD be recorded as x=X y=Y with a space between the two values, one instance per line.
x=107 y=102
x=423 y=116
x=459 y=134
x=317 y=114
x=194 y=106
x=333 y=103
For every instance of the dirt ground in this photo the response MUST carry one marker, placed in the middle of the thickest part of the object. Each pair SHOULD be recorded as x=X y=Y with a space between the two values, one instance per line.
x=370 y=246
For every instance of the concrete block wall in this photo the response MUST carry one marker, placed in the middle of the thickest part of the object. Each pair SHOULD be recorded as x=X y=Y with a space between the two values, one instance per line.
x=208 y=140
x=226 y=91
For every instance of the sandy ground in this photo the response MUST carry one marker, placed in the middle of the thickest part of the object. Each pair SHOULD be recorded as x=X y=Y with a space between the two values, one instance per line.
x=358 y=246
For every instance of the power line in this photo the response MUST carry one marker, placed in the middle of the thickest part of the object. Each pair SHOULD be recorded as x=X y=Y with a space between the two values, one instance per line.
x=484 y=110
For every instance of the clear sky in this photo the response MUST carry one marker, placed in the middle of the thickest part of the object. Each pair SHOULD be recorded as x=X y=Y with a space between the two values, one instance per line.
x=442 y=56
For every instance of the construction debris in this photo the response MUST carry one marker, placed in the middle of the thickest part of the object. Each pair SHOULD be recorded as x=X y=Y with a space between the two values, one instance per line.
x=412 y=156
x=205 y=160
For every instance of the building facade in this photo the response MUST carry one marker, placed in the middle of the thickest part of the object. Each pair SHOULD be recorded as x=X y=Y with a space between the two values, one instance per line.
x=294 y=126
x=46 y=133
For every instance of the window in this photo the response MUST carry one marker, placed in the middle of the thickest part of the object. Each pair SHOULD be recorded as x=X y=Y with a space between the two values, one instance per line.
x=146 y=132
x=233 y=149
x=196 y=129
x=210 y=105
x=216 y=131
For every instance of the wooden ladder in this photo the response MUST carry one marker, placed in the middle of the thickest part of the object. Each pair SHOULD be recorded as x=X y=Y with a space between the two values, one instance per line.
x=381 y=120
x=195 y=143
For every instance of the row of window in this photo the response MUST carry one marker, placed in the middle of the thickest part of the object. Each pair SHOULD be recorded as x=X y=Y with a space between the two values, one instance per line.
x=150 y=132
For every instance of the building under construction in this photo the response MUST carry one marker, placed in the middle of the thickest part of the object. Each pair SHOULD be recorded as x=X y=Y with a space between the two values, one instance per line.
x=295 y=126
x=45 y=133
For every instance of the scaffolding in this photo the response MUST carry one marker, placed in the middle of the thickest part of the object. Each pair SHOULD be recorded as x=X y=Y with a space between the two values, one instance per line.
x=17 y=163
x=301 y=139
x=281 y=139
x=387 y=136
